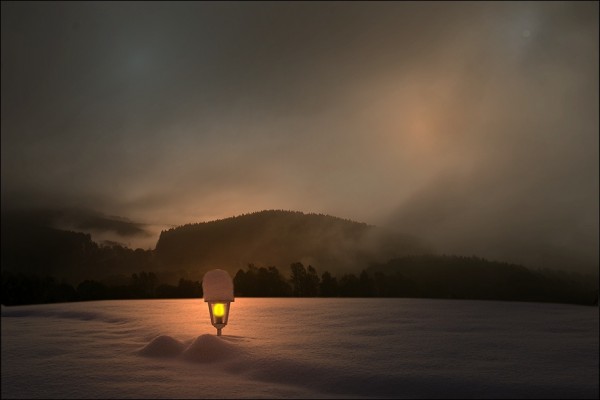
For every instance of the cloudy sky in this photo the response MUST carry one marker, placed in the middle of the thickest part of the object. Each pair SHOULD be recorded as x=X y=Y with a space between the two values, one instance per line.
x=471 y=125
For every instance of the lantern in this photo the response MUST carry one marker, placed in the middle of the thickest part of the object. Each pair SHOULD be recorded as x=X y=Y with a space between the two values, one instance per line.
x=217 y=286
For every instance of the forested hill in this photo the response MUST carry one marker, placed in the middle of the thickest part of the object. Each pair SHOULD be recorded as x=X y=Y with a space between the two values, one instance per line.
x=280 y=238
x=266 y=253
x=265 y=238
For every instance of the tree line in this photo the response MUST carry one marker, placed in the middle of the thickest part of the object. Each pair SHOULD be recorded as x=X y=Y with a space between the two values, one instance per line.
x=303 y=282
x=21 y=288
x=450 y=277
x=420 y=277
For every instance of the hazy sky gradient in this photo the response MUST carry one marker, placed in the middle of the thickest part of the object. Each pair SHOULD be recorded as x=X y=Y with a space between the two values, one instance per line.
x=471 y=125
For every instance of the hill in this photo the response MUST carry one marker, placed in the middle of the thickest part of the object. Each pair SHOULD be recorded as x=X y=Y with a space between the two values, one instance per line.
x=280 y=238
x=350 y=259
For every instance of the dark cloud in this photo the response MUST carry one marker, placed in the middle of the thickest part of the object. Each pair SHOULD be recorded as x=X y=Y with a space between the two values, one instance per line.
x=472 y=124
x=97 y=222
x=77 y=219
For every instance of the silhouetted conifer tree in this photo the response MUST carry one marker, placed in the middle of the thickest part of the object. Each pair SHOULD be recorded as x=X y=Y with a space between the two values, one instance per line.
x=312 y=282
x=298 y=279
x=328 y=286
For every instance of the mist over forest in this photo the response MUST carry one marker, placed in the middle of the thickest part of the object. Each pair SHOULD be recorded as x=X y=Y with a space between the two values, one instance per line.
x=269 y=253
x=405 y=195
x=471 y=126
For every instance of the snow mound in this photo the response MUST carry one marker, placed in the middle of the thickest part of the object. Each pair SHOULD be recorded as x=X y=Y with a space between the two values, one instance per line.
x=209 y=349
x=162 y=346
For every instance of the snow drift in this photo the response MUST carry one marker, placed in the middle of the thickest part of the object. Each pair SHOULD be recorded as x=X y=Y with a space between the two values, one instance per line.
x=307 y=348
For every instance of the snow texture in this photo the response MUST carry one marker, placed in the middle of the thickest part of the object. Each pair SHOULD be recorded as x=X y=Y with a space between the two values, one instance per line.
x=317 y=348
x=217 y=285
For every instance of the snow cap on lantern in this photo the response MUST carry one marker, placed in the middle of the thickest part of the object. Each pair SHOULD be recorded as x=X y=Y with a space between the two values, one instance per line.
x=217 y=285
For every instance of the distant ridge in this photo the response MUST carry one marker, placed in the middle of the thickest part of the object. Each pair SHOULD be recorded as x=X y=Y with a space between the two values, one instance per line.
x=279 y=237
x=45 y=265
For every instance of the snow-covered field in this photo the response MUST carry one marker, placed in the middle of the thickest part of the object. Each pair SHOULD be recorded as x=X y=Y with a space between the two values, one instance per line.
x=402 y=348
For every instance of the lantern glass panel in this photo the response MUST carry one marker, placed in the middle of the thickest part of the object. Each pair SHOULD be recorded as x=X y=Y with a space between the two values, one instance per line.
x=219 y=313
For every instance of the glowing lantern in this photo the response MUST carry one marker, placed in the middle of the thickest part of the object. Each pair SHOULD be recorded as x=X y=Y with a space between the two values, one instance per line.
x=217 y=286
